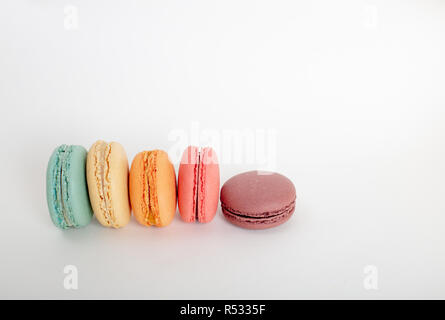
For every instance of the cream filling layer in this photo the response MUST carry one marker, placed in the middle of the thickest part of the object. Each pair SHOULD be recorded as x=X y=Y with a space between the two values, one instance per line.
x=62 y=160
x=197 y=187
x=150 y=198
x=146 y=193
x=102 y=175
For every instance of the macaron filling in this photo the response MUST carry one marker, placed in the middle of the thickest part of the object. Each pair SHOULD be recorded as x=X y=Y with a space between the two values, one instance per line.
x=64 y=190
x=261 y=221
x=61 y=197
x=266 y=216
x=150 y=199
x=102 y=175
x=197 y=186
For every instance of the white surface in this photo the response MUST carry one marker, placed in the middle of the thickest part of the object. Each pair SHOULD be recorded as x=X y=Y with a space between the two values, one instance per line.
x=354 y=90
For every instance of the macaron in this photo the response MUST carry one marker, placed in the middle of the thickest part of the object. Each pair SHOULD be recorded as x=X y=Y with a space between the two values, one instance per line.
x=66 y=187
x=258 y=199
x=198 y=185
x=153 y=188
x=107 y=177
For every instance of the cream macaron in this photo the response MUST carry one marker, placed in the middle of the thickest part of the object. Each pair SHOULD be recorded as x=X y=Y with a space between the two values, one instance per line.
x=107 y=178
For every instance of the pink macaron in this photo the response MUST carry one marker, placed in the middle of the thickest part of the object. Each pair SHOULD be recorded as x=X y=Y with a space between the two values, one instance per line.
x=198 y=184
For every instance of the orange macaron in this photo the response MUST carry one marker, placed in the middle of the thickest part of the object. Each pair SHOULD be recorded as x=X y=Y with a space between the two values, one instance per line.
x=152 y=188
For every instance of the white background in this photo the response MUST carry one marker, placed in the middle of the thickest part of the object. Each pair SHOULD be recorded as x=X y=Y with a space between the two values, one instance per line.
x=354 y=90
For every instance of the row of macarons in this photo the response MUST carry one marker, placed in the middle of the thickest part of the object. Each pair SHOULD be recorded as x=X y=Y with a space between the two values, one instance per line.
x=100 y=182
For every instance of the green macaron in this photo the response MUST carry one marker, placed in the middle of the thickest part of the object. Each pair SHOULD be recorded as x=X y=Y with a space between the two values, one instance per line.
x=66 y=187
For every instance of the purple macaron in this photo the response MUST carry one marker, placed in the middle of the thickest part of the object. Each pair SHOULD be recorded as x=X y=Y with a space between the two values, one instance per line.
x=258 y=199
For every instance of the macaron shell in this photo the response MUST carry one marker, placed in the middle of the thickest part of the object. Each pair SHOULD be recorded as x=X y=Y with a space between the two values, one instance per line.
x=153 y=188
x=256 y=193
x=67 y=167
x=139 y=189
x=52 y=189
x=209 y=181
x=107 y=175
x=188 y=184
x=165 y=188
